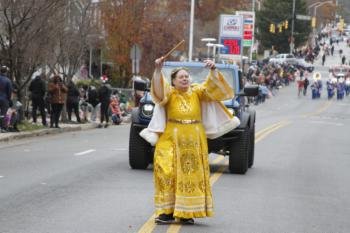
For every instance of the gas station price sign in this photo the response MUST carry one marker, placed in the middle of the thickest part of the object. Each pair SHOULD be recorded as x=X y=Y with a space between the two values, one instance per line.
x=233 y=46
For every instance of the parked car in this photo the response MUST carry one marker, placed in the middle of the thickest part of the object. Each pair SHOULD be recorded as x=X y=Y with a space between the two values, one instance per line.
x=340 y=71
x=237 y=144
x=283 y=58
x=301 y=63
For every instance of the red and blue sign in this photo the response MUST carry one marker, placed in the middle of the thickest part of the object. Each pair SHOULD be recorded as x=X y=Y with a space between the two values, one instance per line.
x=233 y=46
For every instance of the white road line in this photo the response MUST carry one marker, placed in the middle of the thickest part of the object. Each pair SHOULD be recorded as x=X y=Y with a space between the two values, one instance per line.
x=327 y=123
x=1 y=177
x=84 y=152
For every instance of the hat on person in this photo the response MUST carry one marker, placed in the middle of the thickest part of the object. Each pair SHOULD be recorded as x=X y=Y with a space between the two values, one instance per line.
x=104 y=78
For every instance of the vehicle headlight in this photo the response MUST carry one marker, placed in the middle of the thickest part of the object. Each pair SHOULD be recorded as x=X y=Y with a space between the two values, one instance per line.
x=231 y=111
x=147 y=110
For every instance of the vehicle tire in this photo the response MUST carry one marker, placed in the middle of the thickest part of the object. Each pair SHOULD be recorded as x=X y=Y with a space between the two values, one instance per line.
x=139 y=150
x=238 y=161
x=251 y=147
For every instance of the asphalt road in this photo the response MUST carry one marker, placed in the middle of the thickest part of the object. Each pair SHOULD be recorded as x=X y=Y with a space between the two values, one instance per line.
x=81 y=182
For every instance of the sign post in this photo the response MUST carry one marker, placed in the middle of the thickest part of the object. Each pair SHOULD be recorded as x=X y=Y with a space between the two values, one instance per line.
x=135 y=56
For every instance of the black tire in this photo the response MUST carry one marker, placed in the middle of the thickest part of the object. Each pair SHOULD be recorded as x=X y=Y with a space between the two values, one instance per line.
x=139 y=150
x=238 y=161
x=251 y=148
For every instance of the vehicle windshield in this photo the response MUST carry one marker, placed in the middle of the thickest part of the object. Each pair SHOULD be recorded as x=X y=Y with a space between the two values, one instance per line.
x=199 y=74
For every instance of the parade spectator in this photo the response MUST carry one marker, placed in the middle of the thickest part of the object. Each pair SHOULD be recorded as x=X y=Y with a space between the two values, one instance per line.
x=93 y=101
x=115 y=110
x=300 y=86
x=306 y=84
x=12 y=117
x=72 y=103
x=37 y=88
x=58 y=91
x=332 y=50
x=323 y=58
x=83 y=102
x=343 y=60
x=104 y=95
x=5 y=96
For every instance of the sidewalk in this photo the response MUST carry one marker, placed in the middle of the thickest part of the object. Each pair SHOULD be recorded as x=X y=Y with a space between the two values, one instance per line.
x=6 y=137
x=64 y=127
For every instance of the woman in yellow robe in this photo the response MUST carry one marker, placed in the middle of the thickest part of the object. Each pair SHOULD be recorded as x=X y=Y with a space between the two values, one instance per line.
x=181 y=165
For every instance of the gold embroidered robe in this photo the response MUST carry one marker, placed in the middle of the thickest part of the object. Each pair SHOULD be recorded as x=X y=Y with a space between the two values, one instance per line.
x=181 y=163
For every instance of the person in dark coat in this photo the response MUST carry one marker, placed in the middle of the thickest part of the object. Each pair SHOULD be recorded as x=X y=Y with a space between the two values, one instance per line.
x=58 y=92
x=37 y=87
x=306 y=84
x=343 y=59
x=104 y=95
x=323 y=58
x=5 y=96
x=73 y=96
x=93 y=99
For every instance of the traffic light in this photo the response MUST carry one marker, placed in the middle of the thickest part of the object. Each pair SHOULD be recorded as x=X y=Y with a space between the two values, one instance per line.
x=341 y=25
x=313 y=22
x=272 y=28
x=280 y=27
x=286 y=24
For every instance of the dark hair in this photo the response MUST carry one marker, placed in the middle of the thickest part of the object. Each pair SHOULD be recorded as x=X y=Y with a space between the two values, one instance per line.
x=174 y=73
x=57 y=79
x=3 y=69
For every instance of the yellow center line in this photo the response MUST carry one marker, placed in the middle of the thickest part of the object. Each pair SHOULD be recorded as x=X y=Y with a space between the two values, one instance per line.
x=321 y=110
x=267 y=129
x=149 y=226
x=266 y=133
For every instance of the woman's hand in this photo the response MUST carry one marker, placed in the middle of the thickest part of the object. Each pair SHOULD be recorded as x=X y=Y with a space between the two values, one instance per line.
x=159 y=63
x=210 y=64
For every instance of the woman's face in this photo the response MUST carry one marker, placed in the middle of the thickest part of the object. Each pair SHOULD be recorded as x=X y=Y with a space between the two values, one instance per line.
x=182 y=80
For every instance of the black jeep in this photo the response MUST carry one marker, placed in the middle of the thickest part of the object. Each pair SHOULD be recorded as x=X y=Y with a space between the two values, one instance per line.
x=237 y=144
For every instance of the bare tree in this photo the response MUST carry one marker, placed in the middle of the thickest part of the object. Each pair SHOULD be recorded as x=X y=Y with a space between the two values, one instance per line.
x=71 y=39
x=25 y=33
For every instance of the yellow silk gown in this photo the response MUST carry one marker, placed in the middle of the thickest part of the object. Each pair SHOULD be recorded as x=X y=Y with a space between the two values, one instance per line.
x=181 y=164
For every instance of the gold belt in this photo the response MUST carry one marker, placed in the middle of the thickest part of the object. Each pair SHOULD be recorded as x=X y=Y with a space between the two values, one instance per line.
x=184 y=121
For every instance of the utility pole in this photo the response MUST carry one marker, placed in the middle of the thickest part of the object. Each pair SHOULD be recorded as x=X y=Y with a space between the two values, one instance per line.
x=191 y=32
x=292 y=34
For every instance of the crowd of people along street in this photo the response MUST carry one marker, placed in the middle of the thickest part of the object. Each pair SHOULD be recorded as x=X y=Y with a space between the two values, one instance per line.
x=89 y=103
x=271 y=77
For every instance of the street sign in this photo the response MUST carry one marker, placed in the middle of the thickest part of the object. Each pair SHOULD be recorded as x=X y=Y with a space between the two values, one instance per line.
x=303 y=17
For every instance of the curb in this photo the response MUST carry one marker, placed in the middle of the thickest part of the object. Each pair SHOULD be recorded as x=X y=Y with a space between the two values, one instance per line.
x=42 y=132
